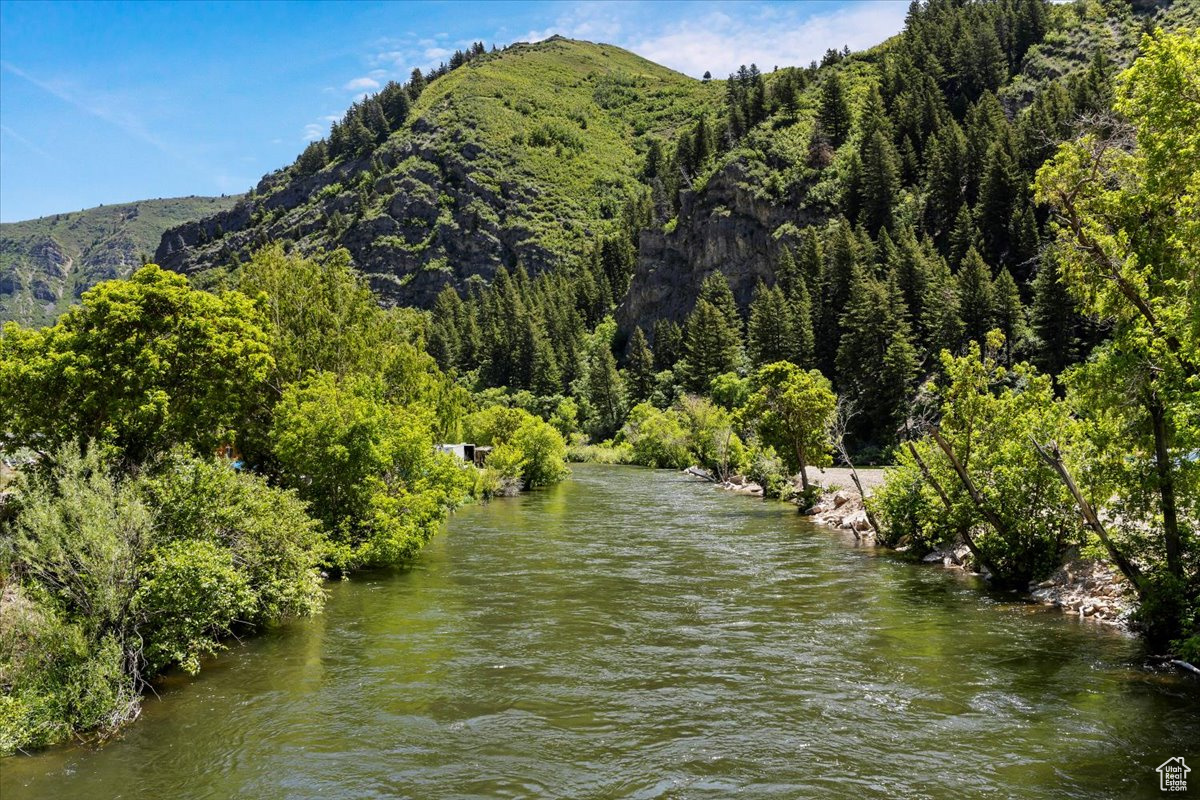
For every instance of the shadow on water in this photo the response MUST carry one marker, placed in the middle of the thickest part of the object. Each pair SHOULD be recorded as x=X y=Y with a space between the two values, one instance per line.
x=635 y=634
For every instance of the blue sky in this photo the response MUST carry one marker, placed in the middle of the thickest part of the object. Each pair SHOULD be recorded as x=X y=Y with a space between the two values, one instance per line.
x=111 y=102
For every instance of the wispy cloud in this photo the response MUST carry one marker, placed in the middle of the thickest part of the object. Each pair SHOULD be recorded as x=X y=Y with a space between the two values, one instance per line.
x=33 y=148
x=97 y=106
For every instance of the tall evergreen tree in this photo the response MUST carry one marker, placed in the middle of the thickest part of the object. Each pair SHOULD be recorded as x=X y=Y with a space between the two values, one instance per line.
x=833 y=110
x=605 y=394
x=879 y=182
x=668 y=344
x=998 y=193
x=711 y=346
x=1008 y=314
x=941 y=320
x=975 y=296
x=876 y=361
x=842 y=270
x=641 y=368
x=771 y=334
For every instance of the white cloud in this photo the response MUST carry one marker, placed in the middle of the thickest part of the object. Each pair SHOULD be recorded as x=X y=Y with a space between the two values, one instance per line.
x=710 y=39
x=313 y=131
x=437 y=52
x=720 y=44
x=364 y=83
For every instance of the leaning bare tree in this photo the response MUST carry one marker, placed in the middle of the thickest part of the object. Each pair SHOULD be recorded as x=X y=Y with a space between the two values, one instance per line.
x=845 y=411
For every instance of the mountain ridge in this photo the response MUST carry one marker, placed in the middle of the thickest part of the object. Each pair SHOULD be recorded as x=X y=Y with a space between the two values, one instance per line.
x=48 y=262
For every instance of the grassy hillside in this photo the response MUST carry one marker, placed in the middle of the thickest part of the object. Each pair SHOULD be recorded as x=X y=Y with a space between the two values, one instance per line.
x=525 y=154
x=47 y=263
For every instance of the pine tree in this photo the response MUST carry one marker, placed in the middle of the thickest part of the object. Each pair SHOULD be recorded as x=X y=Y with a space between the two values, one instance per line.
x=544 y=376
x=876 y=361
x=444 y=338
x=879 y=183
x=668 y=344
x=964 y=236
x=711 y=347
x=997 y=197
x=833 y=110
x=715 y=289
x=941 y=320
x=945 y=182
x=810 y=259
x=842 y=270
x=1054 y=319
x=1023 y=244
x=800 y=306
x=641 y=368
x=1008 y=314
x=605 y=394
x=771 y=334
x=975 y=295
x=416 y=84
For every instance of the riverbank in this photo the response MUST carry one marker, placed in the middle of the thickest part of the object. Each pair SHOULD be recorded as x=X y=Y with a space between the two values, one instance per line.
x=1084 y=587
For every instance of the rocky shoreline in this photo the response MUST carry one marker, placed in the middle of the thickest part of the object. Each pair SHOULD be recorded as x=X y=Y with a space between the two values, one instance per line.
x=1083 y=587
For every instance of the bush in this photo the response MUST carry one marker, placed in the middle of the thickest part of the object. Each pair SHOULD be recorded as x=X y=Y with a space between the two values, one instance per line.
x=276 y=546
x=766 y=469
x=527 y=449
x=657 y=437
x=189 y=597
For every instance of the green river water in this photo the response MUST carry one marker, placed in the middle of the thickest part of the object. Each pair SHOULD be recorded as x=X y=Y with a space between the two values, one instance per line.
x=634 y=633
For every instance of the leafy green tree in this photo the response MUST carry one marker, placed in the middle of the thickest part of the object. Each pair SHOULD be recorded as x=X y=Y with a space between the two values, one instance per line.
x=977 y=477
x=792 y=410
x=141 y=364
x=657 y=437
x=360 y=461
x=1127 y=228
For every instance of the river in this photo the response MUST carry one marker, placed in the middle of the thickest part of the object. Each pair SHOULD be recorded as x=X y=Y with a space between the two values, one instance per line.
x=634 y=633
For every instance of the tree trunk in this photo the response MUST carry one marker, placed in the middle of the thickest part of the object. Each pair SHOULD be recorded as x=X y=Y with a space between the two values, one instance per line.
x=976 y=497
x=966 y=534
x=861 y=493
x=1050 y=454
x=803 y=477
x=1166 y=486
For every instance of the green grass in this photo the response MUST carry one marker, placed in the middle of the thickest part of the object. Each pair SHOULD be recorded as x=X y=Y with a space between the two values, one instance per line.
x=46 y=263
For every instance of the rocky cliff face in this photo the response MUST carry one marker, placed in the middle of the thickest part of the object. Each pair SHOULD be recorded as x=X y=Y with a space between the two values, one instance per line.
x=725 y=227
x=436 y=216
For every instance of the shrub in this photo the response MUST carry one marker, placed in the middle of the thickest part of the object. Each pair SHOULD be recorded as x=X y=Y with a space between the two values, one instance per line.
x=276 y=546
x=189 y=597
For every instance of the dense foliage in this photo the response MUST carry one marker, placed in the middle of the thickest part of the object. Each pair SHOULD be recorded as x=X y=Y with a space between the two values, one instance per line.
x=135 y=542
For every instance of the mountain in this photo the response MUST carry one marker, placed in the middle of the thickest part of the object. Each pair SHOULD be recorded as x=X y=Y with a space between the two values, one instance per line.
x=47 y=263
x=533 y=154
x=524 y=155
